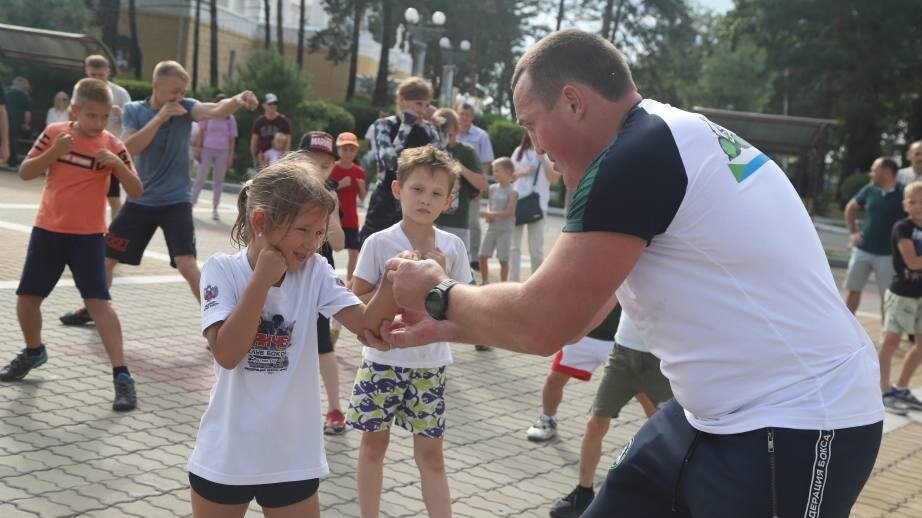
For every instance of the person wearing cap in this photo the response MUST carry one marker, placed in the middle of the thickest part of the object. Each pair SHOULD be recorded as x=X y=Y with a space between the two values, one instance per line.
x=266 y=126
x=318 y=147
x=350 y=185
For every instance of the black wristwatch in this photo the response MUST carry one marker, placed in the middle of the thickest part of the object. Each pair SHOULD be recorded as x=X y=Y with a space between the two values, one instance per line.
x=437 y=299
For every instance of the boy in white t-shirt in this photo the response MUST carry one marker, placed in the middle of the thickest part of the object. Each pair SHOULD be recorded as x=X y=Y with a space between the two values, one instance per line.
x=407 y=386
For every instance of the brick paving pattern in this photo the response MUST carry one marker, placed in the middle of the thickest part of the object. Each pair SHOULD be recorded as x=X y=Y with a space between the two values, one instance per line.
x=63 y=452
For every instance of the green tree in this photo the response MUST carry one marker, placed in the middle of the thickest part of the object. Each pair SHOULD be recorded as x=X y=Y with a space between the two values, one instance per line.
x=56 y=15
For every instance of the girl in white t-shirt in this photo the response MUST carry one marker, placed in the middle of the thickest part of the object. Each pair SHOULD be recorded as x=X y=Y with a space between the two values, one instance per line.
x=262 y=434
x=533 y=173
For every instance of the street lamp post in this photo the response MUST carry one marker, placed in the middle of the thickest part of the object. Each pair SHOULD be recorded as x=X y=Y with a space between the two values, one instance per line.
x=422 y=35
x=450 y=59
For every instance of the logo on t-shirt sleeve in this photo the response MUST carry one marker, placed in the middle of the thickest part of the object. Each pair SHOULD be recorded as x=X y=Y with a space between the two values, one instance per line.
x=209 y=296
x=744 y=158
x=269 y=352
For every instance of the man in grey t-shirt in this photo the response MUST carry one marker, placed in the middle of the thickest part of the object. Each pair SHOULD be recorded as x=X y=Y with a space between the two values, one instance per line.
x=157 y=132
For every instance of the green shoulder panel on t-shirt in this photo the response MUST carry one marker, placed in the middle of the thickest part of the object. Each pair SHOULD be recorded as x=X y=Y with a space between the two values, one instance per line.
x=578 y=204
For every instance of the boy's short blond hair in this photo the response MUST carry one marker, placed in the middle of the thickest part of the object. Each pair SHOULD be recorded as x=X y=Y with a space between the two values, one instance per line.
x=505 y=163
x=91 y=90
x=428 y=157
x=96 y=61
x=414 y=89
x=170 y=68
x=912 y=188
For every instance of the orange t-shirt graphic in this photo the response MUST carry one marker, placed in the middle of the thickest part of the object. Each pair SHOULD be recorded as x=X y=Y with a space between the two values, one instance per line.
x=74 y=196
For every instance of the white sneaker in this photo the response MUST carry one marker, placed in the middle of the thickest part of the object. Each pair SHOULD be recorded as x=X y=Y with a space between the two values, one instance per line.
x=545 y=428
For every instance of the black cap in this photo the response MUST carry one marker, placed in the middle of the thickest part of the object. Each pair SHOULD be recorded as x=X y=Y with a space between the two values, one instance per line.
x=319 y=142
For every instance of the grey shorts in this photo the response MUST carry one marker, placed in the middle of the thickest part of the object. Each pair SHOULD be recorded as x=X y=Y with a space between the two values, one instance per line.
x=627 y=373
x=902 y=315
x=859 y=269
x=499 y=241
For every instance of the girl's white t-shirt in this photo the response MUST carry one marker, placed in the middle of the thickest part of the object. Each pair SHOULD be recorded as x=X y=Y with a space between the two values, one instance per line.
x=263 y=423
x=383 y=245
x=526 y=184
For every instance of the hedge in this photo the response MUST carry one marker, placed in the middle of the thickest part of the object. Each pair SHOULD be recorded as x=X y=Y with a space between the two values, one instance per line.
x=505 y=136
x=316 y=115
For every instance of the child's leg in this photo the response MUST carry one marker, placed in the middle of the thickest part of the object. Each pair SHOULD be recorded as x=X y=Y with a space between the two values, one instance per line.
x=202 y=508
x=910 y=363
x=329 y=373
x=552 y=393
x=887 y=348
x=648 y=407
x=217 y=176
x=427 y=452
x=590 y=450
x=353 y=260
x=369 y=474
x=484 y=269
x=309 y=508
x=29 y=312
x=504 y=271
x=109 y=328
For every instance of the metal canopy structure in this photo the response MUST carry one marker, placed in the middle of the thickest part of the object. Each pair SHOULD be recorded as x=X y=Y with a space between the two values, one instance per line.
x=51 y=48
x=784 y=136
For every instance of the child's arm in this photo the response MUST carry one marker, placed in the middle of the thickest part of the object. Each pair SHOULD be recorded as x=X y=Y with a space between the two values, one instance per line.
x=380 y=306
x=908 y=250
x=360 y=187
x=32 y=168
x=125 y=174
x=335 y=234
x=232 y=338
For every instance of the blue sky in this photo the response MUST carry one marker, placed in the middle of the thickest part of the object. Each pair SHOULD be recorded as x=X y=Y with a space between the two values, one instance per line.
x=719 y=6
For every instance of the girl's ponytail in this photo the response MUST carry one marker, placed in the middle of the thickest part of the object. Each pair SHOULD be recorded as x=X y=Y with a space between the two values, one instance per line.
x=240 y=232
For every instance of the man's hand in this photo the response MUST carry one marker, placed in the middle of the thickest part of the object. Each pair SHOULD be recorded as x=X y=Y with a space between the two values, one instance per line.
x=116 y=111
x=108 y=158
x=248 y=100
x=170 y=110
x=856 y=238
x=63 y=144
x=412 y=280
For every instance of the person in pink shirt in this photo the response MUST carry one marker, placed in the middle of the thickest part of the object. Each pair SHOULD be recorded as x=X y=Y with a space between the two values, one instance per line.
x=214 y=149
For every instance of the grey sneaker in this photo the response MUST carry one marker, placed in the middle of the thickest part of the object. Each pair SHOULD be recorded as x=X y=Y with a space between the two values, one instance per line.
x=573 y=505
x=905 y=396
x=894 y=405
x=21 y=365
x=545 y=428
x=125 y=397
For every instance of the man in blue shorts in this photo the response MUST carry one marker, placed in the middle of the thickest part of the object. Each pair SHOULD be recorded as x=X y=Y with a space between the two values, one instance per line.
x=156 y=133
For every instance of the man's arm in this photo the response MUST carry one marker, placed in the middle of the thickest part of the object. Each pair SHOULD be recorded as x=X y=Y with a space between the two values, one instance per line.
x=564 y=299
x=851 y=215
x=477 y=180
x=137 y=140
x=221 y=109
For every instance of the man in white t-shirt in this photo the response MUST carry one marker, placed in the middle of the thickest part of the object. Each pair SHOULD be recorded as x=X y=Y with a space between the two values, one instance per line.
x=97 y=67
x=913 y=171
x=709 y=250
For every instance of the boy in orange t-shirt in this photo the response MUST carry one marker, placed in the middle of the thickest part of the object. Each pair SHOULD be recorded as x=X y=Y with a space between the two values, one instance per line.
x=79 y=157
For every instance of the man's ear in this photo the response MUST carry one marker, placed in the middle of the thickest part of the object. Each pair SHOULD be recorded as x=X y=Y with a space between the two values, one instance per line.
x=573 y=99
x=395 y=189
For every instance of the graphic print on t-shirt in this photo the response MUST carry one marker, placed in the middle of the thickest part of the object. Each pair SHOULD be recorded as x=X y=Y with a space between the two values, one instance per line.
x=269 y=352
x=744 y=158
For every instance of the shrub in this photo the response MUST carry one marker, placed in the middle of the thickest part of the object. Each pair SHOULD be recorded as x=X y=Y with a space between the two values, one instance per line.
x=851 y=185
x=505 y=136
x=137 y=88
x=263 y=72
x=316 y=115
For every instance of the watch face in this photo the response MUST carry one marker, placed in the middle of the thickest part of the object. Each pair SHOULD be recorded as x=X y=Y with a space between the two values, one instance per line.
x=435 y=304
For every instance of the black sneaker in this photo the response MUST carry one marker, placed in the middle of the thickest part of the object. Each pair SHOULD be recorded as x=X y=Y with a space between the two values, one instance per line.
x=482 y=347
x=905 y=396
x=21 y=365
x=125 y=397
x=78 y=317
x=573 y=505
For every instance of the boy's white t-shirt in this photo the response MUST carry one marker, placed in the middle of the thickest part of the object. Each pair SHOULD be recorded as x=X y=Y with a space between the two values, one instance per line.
x=383 y=245
x=263 y=423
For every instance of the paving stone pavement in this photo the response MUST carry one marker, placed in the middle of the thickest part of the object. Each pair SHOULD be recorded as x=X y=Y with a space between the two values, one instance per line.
x=63 y=452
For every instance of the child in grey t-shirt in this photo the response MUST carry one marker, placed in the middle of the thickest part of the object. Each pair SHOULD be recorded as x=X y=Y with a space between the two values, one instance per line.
x=501 y=220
